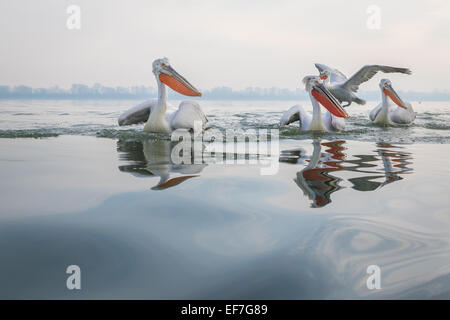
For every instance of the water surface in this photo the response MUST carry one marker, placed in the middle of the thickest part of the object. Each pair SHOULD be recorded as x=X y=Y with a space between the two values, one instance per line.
x=113 y=201
x=44 y=118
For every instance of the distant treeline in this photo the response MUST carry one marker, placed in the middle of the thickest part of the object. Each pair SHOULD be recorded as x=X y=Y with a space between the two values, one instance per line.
x=98 y=91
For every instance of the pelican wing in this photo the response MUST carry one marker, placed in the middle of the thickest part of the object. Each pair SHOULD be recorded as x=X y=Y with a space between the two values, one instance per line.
x=137 y=114
x=335 y=75
x=402 y=116
x=374 y=113
x=291 y=115
x=367 y=72
x=188 y=112
x=333 y=123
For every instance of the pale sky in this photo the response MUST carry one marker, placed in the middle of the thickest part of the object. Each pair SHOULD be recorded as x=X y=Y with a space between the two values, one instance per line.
x=221 y=43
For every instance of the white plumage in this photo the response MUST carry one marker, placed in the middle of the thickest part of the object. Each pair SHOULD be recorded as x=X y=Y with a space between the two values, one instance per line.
x=343 y=88
x=158 y=114
x=387 y=113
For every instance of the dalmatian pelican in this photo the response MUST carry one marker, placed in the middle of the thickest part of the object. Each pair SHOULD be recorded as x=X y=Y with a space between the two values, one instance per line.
x=386 y=113
x=159 y=115
x=344 y=89
x=332 y=120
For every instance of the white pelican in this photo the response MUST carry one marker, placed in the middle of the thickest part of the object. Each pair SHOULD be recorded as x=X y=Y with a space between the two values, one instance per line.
x=154 y=112
x=343 y=88
x=332 y=120
x=386 y=113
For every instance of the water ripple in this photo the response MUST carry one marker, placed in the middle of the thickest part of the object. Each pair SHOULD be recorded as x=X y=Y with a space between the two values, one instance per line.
x=350 y=244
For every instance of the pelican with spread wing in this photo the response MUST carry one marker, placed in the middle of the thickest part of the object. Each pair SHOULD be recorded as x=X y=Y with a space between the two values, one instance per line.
x=344 y=88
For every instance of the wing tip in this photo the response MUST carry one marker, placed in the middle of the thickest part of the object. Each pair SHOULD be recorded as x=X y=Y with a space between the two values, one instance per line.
x=388 y=68
x=399 y=70
x=319 y=66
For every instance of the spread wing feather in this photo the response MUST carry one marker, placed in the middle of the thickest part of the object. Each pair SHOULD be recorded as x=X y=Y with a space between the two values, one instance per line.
x=367 y=72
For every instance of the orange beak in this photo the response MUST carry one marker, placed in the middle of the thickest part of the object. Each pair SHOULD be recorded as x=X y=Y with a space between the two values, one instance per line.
x=390 y=92
x=323 y=77
x=176 y=82
x=325 y=98
x=172 y=182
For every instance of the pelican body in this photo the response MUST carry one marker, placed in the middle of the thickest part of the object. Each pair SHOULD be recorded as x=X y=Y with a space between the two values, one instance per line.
x=332 y=120
x=159 y=115
x=388 y=114
x=344 y=89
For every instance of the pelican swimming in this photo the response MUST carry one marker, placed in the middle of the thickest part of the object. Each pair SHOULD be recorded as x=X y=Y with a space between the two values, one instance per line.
x=155 y=113
x=331 y=120
x=343 y=89
x=386 y=113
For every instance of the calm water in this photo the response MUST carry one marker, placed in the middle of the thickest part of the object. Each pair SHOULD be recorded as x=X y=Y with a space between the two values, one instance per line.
x=113 y=201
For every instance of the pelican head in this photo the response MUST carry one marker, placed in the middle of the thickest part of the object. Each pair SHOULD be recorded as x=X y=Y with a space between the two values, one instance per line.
x=167 y=75
x=386 y=88
x=324 y=75
x=310 y=81
x=314 y=86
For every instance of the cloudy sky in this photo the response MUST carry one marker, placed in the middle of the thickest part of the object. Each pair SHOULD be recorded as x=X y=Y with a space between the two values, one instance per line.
x=221 y=43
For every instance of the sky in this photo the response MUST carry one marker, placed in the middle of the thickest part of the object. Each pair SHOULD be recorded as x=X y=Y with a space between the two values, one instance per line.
x=230 y=43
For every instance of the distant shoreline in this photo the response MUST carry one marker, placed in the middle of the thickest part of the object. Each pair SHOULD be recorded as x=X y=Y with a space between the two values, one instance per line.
x=100 y=92
x=206 y=98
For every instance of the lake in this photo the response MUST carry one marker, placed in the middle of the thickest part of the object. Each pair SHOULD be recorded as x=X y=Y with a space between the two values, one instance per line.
x=76 y=189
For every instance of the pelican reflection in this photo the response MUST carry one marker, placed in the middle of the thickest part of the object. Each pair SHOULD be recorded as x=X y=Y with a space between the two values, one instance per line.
x=154 y=158
x=394 y=163
x=316 y=180
x=320 y=177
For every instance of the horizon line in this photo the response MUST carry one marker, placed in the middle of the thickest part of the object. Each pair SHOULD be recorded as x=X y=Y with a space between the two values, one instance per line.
x=98 y=91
